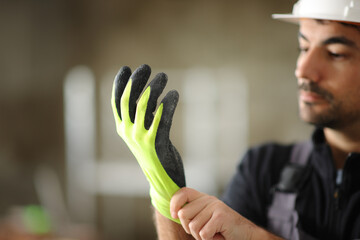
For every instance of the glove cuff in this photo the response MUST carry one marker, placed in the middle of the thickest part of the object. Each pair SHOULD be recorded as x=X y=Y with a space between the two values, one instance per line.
x=162 y=204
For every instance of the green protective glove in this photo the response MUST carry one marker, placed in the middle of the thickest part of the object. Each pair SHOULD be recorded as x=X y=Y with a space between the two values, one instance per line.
x=146 y=135
x=36 y=220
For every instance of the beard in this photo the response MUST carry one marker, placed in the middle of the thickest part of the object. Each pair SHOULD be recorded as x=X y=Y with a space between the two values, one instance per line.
x=330 y=116
x=327 y=119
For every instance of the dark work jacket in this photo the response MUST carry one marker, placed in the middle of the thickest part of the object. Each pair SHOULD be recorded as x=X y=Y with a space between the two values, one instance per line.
x=326 y=210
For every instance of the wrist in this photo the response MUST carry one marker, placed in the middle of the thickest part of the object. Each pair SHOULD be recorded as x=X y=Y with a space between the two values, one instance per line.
x=161 y=203
x=167 y=229
x=251 y=231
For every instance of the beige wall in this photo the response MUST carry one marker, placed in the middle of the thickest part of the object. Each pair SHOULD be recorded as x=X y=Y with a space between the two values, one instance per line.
x=41 y=40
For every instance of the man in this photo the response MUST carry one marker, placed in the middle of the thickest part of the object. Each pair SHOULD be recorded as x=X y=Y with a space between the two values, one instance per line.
x=274 y=193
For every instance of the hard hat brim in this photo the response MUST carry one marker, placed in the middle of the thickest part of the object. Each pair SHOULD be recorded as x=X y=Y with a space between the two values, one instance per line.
x=286 y=18
x=291 y=18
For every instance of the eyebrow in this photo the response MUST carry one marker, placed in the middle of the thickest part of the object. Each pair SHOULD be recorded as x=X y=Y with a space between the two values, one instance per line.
x=334 y=40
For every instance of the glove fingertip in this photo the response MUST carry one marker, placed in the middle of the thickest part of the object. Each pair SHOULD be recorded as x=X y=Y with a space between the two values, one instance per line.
x=145 y=67
x=142 y=72
x=123 y=74
x=139 y=78
x=171 y=100
x=162 y=78
x=120 y=81
x=157 y=86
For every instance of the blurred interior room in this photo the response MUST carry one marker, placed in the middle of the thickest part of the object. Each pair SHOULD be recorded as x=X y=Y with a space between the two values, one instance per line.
x=64 y=171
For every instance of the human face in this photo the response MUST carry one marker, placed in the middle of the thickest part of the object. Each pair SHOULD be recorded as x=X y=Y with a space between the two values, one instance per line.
x=328 y=73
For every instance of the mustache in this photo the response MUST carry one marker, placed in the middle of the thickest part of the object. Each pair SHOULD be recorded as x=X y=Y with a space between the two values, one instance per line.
x=314 y=88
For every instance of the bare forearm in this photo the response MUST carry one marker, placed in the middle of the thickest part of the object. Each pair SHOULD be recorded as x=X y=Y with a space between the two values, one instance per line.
x=169 y=230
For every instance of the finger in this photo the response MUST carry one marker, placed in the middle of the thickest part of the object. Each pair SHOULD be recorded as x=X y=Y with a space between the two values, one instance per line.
x=180 y=198
x=141 y=109
x=154 y=127
x=190 y=212
x=169 y=103
x=124 y=103
x=157 y=86
x=212 y=228
x=192 y=209
x=138 y=79
x=163 y=118
x=120 y=82
x=171 y=163
x=198 y=222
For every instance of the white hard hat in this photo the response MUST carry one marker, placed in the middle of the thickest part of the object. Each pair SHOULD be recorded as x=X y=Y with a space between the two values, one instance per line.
x=336 y=10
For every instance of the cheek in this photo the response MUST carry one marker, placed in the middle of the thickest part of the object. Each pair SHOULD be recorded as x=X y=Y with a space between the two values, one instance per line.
x=351 y=80
x=348 y=90
x=345 y=80
x=354 y=92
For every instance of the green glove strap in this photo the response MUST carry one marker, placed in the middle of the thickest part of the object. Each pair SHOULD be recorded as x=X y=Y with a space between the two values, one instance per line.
x=141 y=142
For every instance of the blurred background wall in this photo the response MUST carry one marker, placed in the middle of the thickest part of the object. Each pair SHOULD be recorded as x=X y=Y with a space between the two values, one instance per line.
x=231 y=63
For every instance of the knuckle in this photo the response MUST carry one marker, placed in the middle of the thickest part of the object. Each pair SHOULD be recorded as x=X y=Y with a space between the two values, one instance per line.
x=215 y=203
x=213 y=198
x=185 y=190
x=182 y=214
x=194 y=227
x=219 y=215
x=205 y=234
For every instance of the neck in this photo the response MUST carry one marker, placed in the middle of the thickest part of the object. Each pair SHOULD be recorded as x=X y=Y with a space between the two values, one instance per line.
x=342 y=142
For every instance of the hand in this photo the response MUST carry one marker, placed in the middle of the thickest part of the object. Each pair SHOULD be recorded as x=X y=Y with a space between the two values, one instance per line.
x=146 y=135
x=207 y=218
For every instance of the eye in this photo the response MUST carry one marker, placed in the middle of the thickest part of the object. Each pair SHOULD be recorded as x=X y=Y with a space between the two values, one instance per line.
x=303 y=49
x=336 y=55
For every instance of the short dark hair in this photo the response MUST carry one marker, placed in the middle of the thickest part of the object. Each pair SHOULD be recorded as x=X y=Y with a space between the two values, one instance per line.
x=357 y=27
x=347 y=24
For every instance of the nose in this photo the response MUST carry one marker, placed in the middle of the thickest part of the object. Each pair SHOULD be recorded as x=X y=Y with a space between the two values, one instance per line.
x=309 y=65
